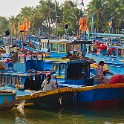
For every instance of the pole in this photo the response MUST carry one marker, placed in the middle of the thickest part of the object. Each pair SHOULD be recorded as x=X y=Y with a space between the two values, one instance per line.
x=49 y=20
x=56 y=27
x=92 y=27
x=66 y=32
x=56 y=21
x=110 y=25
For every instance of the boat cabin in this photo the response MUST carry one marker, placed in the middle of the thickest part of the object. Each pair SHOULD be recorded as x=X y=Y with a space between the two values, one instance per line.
x=44 y=44
x=30 y=80
x=70 y=69
x=40 y=44
x=30 y=61
x=62 y=48
x=116 y=51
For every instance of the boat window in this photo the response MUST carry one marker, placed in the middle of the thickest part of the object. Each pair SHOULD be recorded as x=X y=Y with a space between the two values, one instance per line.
x=21 y=59
x=77 y=70
x=53 y=47
x=77 y=49
x=10 y=80
x=61 y=48
x=2 y=79
x=70 y=49
x=54 y=67
x=62 y=69
x=14 y=80
x=120 y=52
x=45 y=45
x=74 y=50
x=41 y=45
x=7 y=80
x=33 y=82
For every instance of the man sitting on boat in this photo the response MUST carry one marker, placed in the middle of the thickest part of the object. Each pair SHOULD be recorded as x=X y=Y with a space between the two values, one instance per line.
x=48 y=84
x=100 y=73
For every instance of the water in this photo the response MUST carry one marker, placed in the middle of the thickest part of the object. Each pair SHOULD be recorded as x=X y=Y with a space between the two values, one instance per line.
x=73 y=116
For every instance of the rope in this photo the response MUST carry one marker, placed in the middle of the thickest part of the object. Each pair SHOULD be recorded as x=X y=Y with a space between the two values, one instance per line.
x=75 y=96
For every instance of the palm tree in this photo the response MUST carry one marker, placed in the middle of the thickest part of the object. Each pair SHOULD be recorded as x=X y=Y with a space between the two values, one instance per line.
x=3 y=24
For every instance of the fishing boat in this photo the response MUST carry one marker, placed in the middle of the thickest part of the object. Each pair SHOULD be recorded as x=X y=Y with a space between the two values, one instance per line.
x=7 y=95
x=28 y=88
x=7 y=99
x=26 y=77
x=76 y=74
x=109 y=48
x=72 y=72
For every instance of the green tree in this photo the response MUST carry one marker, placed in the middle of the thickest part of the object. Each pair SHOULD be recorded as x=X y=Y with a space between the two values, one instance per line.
x=13 y=24
x=104 y=10
x=3 y=24
x=70 y=16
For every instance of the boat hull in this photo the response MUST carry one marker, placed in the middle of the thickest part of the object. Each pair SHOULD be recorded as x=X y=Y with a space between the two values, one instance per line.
x=61 y=100
x=7 y=100
x=58 y=98
x=102 y=95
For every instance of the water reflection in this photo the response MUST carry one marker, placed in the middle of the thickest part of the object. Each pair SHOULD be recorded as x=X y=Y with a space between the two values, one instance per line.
x=73 y=116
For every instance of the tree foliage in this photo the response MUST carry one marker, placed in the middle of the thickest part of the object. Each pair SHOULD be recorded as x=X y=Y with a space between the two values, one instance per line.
x=104 y=10
x=48 y=13
x=3 y=25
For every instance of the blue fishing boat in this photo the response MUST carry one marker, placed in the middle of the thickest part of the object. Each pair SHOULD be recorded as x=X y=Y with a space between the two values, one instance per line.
x=58 y=48
x=7 y=95
x=26 y=77
x=74 y=74
x=112 y=47
x=72 y=70
x=63 y=53
x=29 y=90
x=7 y=98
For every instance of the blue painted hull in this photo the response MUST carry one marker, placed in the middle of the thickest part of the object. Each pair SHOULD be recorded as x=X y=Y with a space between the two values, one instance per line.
x=101 y=96
x=7 y=100
x=91 y=96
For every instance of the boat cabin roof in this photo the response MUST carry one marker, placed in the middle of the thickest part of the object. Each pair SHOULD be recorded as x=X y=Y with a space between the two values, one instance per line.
x=71 y=41
x=107 y=34
x=13 y=74
x=116 y=47
x=68 y=60
x=34 y=54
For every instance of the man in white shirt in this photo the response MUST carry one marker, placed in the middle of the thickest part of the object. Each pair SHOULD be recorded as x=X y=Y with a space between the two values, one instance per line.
x=48 y=84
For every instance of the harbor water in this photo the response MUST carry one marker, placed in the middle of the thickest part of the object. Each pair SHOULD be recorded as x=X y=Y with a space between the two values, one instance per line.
x=72 y=116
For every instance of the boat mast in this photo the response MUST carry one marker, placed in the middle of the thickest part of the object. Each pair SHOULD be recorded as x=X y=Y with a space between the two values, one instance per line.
x=56 y=20
x=49 y=19
x=92 y=27
x=110 y=25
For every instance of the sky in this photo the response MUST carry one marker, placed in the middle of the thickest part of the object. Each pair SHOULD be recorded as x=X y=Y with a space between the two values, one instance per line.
x=12 y=7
